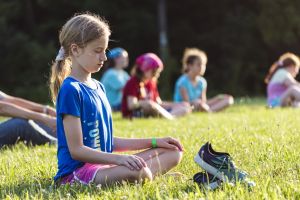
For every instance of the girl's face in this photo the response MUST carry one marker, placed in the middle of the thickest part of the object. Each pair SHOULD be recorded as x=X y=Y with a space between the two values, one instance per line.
x=92 y=56
x=197 y=68
x=293 y=70
x=152 y=73
x=122 y=60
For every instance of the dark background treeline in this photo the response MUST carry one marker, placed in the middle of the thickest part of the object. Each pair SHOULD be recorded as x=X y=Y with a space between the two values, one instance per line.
x=241 y=38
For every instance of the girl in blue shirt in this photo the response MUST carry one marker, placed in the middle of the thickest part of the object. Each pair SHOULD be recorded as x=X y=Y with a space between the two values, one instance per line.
x=115 y=78
x=191 y=86
x=84 y=119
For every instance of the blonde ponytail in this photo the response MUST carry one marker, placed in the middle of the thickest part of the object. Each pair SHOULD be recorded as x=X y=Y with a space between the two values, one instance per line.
x=59 y=71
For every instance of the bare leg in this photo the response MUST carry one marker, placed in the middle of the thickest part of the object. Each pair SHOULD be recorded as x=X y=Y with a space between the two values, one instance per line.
x=177 y=109
x=158 y=160
x=290 y=95
x=220 y=102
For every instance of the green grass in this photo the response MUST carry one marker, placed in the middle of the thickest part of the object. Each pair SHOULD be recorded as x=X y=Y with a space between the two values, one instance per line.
x=263 y=142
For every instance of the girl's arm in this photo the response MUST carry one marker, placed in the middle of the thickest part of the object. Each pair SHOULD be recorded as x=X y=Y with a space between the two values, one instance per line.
x=78 y=151
x=132 y=103
x=159 y=101
x=184 y=94
x=12 y=110
x=29 y=105
x=132 y=144
x=203 y=96
x=200 y=104
x=289 y=81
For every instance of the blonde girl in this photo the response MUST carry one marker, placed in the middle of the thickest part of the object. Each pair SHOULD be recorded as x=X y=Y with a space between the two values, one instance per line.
x=191 y=86
x=84 y=119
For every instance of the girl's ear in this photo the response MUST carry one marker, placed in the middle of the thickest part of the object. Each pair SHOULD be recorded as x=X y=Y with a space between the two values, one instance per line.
x=75 y=50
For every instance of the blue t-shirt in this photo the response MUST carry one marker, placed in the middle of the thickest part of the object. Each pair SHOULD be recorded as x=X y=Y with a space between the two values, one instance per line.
x=114 y=81
x=194 y=91
x=92 y=107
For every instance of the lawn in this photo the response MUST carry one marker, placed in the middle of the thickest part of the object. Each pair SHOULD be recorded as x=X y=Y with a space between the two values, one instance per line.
x=264 y=142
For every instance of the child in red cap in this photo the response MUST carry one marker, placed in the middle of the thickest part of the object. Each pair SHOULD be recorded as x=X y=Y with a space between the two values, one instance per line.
x=140 y=95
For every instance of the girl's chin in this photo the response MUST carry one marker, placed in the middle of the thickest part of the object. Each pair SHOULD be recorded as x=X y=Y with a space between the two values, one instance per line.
x=98 y=68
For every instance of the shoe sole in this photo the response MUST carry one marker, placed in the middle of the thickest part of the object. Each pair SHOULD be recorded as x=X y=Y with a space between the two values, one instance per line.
x=210 y=169
x=209 y=185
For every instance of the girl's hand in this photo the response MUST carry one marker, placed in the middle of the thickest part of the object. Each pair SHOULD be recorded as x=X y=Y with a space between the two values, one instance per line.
x=200 y=105
x=169 y=143
x=49 y=121
x=51 y=111
x=133 y=162
x=147 y=105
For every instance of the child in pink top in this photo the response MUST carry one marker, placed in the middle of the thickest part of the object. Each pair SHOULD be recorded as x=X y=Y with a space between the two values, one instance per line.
x=283 y=89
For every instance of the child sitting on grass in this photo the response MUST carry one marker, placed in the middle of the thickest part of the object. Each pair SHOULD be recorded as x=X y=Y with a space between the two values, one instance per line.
x=191 y=86
x=283 y=89
x=84 y=118
x=115 y=78
x=141 y=97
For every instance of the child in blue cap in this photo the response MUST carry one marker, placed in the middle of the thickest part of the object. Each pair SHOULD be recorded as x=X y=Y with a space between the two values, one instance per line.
x=115 y=78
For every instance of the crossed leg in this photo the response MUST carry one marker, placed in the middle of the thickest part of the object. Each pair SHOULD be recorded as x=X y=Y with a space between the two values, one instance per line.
x=159 y=161
x=220 y=102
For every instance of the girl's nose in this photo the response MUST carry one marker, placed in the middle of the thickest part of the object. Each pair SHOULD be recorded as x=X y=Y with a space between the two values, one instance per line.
x=103 y=57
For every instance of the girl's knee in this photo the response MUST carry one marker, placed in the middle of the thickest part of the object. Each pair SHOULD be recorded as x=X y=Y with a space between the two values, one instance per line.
x=230 y=99
x=175 y=156
x=141 y=175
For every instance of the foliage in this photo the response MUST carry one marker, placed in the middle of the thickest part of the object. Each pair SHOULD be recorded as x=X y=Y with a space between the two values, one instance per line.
x=241 y=38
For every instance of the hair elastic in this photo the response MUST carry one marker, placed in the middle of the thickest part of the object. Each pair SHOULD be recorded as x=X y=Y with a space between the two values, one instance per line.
x=61 y=54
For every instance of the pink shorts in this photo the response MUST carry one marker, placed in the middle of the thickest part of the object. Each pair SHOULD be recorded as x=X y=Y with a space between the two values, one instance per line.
x=84 y=175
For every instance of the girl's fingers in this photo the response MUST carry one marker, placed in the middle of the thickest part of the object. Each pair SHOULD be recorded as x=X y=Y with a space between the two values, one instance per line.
x=171 y=146
x=142 y=161
x=134 y=164
x=176 y=143
x=127 y=164
x=139 y=163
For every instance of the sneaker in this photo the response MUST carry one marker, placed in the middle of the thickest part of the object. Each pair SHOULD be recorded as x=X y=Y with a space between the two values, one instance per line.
x=207 y=180
x=219 y=164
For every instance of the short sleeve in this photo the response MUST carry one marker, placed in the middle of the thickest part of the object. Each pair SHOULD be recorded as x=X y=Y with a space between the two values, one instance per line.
x=126 y=76
x=68 y=101
x=181 y=83
x=280 y=76
x=132 y=88
x=203 y=82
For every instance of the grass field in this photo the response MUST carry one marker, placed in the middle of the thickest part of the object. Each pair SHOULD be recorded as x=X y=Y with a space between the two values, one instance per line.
x=264 y=142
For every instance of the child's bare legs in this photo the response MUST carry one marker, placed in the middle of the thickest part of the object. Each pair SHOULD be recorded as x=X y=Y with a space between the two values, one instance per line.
x=177 y=109
x=220 y=102
x=151 y=108
x=159 y=161
x=292 y=94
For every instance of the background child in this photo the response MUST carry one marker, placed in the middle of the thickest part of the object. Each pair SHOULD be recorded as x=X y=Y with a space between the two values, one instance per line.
x=283 y=89
x=115 y=78
x=84 y=118
x=30 y=122
x=191 y=86
x=141 y=96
